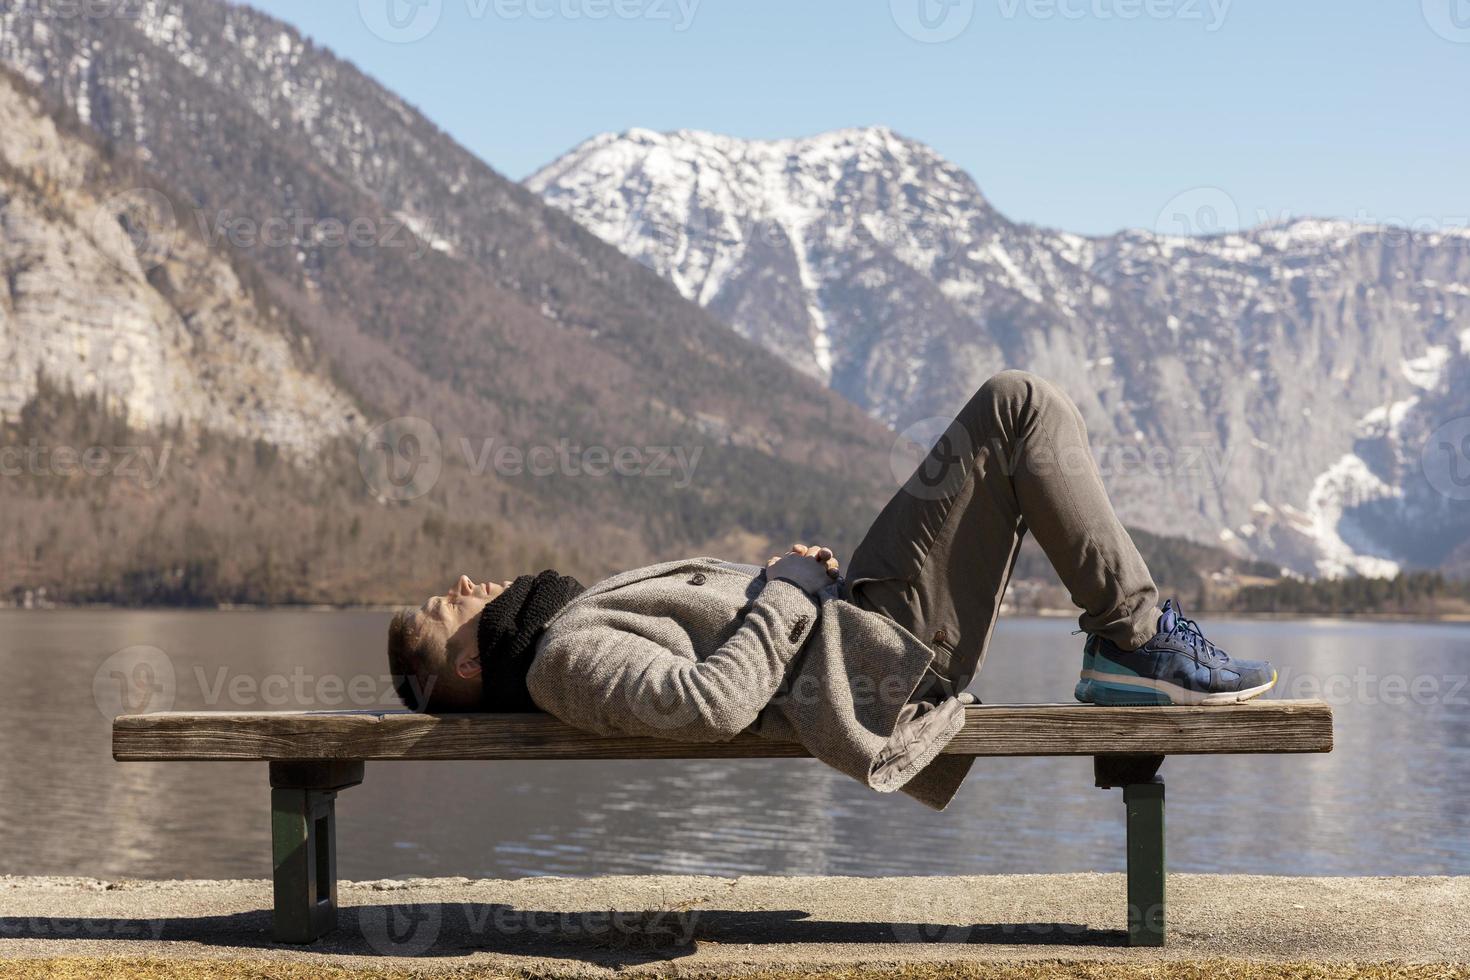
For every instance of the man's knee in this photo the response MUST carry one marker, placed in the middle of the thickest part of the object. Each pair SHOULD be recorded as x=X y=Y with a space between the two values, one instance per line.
x=1014 y=401
x=1011 y=392
x=1012 y=386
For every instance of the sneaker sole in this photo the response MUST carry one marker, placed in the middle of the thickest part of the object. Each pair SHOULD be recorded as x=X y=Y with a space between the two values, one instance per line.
x=1106 y=689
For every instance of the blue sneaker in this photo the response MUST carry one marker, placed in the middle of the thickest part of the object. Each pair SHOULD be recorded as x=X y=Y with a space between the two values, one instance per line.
x=1176 y=666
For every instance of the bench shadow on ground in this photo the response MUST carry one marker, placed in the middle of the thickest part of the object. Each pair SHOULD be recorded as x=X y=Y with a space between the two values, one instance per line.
x=605 y=937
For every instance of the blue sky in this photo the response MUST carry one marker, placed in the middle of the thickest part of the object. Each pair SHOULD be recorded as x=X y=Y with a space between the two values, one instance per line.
x=1088 y=115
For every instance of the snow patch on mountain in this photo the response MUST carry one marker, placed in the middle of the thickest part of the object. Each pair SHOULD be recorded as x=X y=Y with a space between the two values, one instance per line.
x=423 y=228
x=1347 y=483
x=1426 y=370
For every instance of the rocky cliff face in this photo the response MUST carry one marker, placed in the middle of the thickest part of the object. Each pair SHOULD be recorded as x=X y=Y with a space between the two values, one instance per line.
x=1273 y=389
x=164 y=339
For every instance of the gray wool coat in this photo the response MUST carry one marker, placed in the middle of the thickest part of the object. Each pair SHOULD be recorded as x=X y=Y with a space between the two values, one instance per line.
x=701 y=650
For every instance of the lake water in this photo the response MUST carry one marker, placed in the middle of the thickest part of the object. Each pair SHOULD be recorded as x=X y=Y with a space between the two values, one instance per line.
x=1393 y=798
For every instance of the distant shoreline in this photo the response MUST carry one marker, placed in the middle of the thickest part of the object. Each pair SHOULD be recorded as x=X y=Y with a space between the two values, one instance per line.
x=223 y=607
x=1215 y=615
x=1387 y=617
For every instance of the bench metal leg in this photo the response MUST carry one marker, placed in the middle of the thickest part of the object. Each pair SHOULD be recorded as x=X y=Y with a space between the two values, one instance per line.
x=1146 y=874
x=1143 y=798
x=304 y=846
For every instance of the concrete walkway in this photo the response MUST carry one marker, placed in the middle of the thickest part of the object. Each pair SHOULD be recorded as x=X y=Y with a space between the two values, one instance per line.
x=713 y=926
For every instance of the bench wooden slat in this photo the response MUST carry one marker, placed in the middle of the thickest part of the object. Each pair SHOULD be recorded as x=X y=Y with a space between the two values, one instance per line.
x=990 y=730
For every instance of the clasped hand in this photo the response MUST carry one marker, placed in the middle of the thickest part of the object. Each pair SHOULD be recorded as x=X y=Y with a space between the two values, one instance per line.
x=808 y=567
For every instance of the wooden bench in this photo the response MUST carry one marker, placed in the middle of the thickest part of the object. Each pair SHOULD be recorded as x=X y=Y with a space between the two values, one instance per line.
x=313 y=755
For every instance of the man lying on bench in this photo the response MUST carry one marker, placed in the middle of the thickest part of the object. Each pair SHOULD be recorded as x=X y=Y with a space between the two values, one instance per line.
x=864 y=671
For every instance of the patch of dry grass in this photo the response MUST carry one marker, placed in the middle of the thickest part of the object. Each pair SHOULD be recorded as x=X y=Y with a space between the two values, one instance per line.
x=1167 y=970
x=120 y=968
x=151 y=968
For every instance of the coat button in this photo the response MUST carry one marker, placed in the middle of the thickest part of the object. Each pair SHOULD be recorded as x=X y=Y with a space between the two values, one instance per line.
x=697 y=579
x=941 y=636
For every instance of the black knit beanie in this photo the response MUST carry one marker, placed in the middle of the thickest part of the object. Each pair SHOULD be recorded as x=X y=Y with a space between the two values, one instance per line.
x=510 y=625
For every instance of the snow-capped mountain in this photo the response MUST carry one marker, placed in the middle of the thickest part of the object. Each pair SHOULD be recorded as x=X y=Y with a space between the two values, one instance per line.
x=1270 y=389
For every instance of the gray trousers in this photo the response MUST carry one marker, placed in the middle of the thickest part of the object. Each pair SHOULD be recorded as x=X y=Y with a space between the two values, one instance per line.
x=939 y=556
